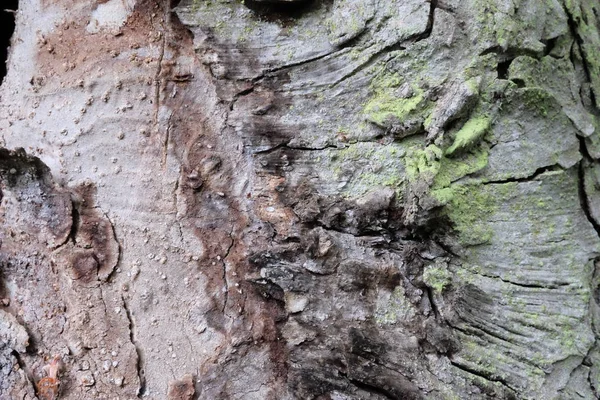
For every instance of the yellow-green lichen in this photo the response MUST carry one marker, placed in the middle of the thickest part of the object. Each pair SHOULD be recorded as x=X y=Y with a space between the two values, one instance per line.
x=468 y=207
x=365 y=165
x=452 y=169
x=423 y=164
x=470 y=133
x=387 y=104
x=437 y=277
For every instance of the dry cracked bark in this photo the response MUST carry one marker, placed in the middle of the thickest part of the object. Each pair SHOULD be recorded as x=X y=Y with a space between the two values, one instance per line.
x=329 y=199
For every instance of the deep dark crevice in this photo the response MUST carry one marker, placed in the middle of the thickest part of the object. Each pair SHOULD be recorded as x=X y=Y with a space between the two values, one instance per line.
x=503 y=67
x=138 y=350
x=119 y=248
x=481 y=331
x=519 y=82
x=434 y=307
x=236 y=97
x=298 y=148
x=477 y=332
x=525 y=285
x=445 y=247
x=550 y=44
x=19 y=360
x=75 y=222
x=529 y=178
x=588 y=362
x=23 y=366
x=285 y=13
x=511 y=53
x=585 y=206
x=430 y=21
x=7 y=28
x=355 y=41
x=373 y=389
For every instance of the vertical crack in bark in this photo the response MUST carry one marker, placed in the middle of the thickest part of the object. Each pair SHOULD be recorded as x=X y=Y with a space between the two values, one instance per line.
x=434 y=307
x=140 y=358
x=430 y=21
x=225 y=279
x=158 y=80
x=165 y=153
x=157 y=75
x=585 y=206
x=573 y=27
x=583 y=199
x=586 y=158
x=593 y=386
x=74 y=226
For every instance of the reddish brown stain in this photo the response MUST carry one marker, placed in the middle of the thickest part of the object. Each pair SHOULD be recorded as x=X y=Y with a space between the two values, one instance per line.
x=182 y=389
x=220 y=220
x=84 y=266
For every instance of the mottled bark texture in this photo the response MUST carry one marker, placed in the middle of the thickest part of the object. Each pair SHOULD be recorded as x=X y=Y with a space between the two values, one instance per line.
x=328 y=199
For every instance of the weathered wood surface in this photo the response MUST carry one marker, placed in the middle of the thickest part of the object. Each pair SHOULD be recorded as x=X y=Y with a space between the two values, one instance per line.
x=333 y=199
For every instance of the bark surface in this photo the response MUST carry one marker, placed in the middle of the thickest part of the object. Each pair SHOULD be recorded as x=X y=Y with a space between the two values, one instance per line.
x=328 y=199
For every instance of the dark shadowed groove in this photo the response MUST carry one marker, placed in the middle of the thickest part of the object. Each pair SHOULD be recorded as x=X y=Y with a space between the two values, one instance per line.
x=140 y=358
x=579 y=41
x=503 y=67
x=488 y=377
x=284 y=12
x=529 y=178
x=373 y=389
x=585 y=205
x=8 y=10
x=430 y=21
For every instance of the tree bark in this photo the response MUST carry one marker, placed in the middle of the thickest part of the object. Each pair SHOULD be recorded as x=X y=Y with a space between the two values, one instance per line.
x=328 y=199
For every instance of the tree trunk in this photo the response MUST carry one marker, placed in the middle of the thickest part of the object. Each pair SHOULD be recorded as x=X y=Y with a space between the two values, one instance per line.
x=328 y=199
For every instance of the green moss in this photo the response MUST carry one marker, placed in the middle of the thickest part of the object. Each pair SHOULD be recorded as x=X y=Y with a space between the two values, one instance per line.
x=471 y=132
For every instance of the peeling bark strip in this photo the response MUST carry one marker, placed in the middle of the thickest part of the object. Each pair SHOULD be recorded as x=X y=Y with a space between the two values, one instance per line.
x=301 y=199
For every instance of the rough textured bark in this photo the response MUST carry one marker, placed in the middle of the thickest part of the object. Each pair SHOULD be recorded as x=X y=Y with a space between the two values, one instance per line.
x=329 y=199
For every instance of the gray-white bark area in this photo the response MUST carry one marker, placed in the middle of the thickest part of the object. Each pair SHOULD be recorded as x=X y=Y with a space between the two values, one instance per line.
x=328 y=199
